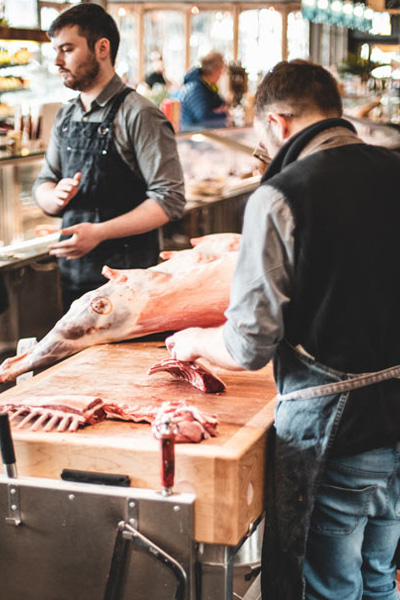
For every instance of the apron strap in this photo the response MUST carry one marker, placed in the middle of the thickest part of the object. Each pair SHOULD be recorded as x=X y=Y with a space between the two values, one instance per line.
x=115 y=106
x=353 y=383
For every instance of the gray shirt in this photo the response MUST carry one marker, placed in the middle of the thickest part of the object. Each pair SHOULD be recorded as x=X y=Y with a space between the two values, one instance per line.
x=264 y=274
x=143 y=138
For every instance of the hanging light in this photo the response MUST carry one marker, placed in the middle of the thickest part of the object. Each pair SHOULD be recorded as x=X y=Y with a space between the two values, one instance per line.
x=337 y=12
x=323 y=12
x=342 y=13
x=309 y=9
x=348 y=15
x=358 y=13
x=368 y=19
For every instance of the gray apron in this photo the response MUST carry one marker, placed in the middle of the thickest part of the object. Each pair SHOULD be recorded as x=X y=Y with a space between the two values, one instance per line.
x=311 y=401
x=108 y=189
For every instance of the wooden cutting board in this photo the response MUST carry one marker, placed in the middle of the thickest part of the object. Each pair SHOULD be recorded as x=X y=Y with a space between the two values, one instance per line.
x=226 y=472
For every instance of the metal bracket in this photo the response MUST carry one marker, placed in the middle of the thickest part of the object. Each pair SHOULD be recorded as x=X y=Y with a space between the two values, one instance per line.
x=133 y=512
x=14 y=517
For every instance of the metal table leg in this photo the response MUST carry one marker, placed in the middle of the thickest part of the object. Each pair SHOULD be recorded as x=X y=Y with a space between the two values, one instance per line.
x=216 y=571
x=228 y=572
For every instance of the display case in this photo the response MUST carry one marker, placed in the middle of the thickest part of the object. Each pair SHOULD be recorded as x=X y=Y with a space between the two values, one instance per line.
x=28 y=79
x=220 y=173
x=21 y=220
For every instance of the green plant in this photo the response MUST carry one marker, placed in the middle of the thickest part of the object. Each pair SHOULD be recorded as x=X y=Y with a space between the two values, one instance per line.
x=355 y=65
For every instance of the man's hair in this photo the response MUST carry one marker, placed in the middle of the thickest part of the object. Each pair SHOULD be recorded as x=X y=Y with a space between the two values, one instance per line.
x=301 y=87
x=94 y=23
x=211 y=63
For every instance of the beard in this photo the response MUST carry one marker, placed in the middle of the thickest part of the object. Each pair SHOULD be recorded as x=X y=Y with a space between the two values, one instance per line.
x=83 y=77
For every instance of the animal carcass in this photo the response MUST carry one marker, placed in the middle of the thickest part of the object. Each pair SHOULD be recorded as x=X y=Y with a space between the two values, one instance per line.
x=189 y=289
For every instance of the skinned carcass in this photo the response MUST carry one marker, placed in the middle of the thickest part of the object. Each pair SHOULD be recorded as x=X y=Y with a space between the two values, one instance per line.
x=189 y=289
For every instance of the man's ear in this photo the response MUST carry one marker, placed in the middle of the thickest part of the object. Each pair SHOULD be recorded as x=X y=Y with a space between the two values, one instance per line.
x=102 y=48
x=281 y=125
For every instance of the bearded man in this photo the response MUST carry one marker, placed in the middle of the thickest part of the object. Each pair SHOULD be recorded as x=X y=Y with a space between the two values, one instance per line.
x=316 y=290
x=112 y=169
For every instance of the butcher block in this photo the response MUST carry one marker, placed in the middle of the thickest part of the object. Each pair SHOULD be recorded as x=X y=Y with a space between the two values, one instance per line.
x=226 y=473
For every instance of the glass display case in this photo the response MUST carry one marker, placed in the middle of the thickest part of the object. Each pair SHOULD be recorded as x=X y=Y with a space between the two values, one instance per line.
x=21 y=220
x=218 y=166
x=220 y=174
x=28 y=77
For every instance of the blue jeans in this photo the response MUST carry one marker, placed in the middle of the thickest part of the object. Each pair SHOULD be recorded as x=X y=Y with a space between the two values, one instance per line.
x=355 y=528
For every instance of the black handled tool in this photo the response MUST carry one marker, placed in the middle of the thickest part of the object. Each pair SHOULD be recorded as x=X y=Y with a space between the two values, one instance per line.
x=7 y=447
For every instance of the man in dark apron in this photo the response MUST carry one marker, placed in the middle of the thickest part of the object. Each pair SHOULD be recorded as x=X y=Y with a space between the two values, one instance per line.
x=316 y=289
x=112 y=169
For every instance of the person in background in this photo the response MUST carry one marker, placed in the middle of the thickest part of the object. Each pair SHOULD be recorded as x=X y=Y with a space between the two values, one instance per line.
x=316 y=290
x=157 y=74
x=112 y=169
x=201 y=105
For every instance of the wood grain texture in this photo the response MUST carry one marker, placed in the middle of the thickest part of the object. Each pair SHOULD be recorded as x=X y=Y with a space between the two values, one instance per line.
x=226 y=472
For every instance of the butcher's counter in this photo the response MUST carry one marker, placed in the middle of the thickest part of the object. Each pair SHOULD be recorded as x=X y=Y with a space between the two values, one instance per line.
x=223 y=475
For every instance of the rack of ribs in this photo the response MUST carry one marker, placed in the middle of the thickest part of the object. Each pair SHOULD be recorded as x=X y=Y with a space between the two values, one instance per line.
x=68 y=413
x=55 y=413
x=200 y=377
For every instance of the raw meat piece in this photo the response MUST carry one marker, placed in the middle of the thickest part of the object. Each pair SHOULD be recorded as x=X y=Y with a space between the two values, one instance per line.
x=67 y=413
x=192 y=425
x=60 y=413
x=128 y=412
x=189 y=290
x=200 y=377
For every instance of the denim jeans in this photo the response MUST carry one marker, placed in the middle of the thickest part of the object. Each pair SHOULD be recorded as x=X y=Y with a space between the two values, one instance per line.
x=355 y=528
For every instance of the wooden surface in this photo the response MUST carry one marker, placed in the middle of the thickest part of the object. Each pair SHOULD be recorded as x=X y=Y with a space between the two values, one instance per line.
x=226 y=472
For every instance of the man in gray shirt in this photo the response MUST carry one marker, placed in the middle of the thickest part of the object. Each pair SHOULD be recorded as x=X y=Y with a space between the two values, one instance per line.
x=112 y=169
x=316 y=290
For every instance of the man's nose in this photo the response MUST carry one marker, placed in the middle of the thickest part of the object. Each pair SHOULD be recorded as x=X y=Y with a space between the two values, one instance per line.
x=58 y=61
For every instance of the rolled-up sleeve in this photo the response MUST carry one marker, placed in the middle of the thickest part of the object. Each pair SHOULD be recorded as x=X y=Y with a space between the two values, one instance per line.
x=262 y=281
x=156 y=153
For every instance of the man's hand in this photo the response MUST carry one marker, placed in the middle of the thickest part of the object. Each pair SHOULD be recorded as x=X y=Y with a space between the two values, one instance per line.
x=198 y=342
x=66 y=189
x=84 y=237
x=182 y=345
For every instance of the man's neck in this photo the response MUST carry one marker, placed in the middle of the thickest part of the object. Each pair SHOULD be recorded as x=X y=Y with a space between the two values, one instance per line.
x=209 y=82
x=88 y=96
x=300 y=123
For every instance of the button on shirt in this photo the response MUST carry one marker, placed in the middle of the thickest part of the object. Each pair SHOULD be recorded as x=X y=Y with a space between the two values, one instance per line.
x=144 y=138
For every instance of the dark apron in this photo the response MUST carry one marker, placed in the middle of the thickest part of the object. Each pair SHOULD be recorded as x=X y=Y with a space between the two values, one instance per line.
x=108 y=189
x=306 y=422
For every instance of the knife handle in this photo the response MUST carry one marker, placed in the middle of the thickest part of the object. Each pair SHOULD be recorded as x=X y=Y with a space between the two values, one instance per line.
x=166 y=435
x=6 y=443
x=168 y=463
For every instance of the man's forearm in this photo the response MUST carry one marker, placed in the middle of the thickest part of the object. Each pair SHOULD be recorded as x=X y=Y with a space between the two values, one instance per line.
x=147 y=216
x=46 y=198
x=210 y=345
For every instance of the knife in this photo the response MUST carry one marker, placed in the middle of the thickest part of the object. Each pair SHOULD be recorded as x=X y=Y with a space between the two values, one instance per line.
x=7 y=447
